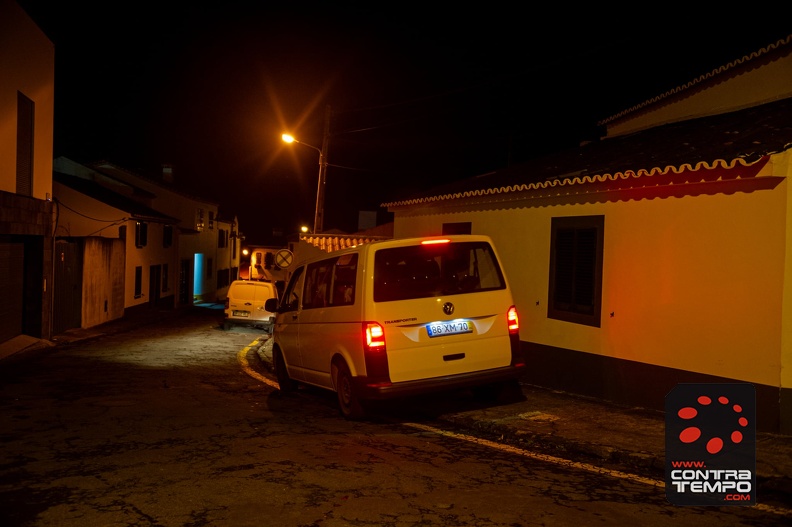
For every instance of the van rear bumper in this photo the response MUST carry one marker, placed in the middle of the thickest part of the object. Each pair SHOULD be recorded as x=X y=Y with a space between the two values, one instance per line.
x=381 y=391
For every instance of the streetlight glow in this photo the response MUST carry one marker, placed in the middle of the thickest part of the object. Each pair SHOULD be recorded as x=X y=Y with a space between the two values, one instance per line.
x=319 y=215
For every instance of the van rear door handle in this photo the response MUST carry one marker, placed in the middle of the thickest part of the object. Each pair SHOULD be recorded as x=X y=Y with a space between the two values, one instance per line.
x=455 y=356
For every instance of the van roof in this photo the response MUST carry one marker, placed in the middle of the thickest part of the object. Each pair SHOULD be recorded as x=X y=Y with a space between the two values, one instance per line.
x=397 y=242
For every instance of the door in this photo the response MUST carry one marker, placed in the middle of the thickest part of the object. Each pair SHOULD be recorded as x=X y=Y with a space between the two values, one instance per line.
x=67 y=302
x=287 y=324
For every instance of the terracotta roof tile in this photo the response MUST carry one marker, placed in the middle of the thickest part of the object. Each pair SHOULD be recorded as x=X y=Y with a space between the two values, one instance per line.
x=747 y=134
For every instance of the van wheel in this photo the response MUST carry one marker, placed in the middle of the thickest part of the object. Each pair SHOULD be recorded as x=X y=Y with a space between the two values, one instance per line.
x=285 y=383
x=226 y=326
x=348 y=401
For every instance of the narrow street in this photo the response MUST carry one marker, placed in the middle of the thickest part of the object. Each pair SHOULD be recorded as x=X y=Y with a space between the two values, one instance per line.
x=164 y=426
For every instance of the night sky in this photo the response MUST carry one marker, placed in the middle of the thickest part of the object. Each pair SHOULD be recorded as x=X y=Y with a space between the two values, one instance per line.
x=419 y=97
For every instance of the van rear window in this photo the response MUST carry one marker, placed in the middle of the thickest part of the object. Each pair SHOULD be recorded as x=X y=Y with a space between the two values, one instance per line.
x=423 y=271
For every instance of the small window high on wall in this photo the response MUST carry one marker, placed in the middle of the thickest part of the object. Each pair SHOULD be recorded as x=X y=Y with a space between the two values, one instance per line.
x=462 y=227
x=141 y=234
x=576 y=247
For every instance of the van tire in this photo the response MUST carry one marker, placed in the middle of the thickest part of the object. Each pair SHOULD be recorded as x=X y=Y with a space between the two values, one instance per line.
x=349 y=404
x=285 y=383
x=226 y=326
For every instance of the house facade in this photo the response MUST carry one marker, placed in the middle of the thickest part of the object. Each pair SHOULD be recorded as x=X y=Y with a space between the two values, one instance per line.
x=658 y=255
x=114 y=252
x=209 y=245
x=27 y=94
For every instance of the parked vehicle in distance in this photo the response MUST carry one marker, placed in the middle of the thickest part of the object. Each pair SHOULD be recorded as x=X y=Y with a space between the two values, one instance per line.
x=245 y=301
x=397 y=318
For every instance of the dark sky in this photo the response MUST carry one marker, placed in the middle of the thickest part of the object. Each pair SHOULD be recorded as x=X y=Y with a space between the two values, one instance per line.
x=418 y=97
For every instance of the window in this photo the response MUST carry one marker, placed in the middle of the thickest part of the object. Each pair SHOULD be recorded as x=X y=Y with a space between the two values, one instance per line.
x=209 y=268
x=317 y=282
x=199 y=220
x=291 y=297
x=141 y=234
x=211 y=219
x=167 y=236
x=576 y=247
x=331 y=282
x=222 y=238
x=24 y=153
x=462 y=227
x=138 y=281
x=223 y=278
x=418 y=271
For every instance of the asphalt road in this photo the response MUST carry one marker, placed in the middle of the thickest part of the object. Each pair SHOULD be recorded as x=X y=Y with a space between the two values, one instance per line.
x=177 y=422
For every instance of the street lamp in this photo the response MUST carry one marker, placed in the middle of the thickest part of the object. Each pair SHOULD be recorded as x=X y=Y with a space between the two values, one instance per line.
x=320 y=191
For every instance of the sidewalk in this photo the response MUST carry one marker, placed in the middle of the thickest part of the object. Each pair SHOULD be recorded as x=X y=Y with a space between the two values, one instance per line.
x=554 y=423
x=612 y=436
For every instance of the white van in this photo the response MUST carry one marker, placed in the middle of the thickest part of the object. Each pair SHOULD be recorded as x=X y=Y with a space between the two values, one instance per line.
x=244 y=304
x=396 y=318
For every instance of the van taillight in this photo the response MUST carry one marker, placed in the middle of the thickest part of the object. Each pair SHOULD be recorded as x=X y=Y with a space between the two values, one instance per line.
x=513 y=320
x=375 y=336
x=377 y=372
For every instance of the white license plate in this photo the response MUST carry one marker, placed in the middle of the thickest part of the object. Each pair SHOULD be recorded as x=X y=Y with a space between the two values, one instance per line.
x=241 y=313
x=454 y=327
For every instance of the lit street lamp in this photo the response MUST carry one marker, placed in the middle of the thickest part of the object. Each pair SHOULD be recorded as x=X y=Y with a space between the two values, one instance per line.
x=320 y=191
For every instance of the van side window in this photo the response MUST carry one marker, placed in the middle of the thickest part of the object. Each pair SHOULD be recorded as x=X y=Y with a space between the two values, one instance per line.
x=331 y=282
x=291 y=296
x=318 y=276
x=344 y=276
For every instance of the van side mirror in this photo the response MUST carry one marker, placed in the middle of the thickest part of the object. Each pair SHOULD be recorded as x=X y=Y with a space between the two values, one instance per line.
x=271 y=305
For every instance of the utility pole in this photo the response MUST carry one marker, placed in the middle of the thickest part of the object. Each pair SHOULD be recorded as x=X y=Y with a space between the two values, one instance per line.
x=320 y=191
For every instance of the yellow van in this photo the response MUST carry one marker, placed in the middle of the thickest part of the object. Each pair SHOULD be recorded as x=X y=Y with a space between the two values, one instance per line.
x=397 y=318
x=244 y=304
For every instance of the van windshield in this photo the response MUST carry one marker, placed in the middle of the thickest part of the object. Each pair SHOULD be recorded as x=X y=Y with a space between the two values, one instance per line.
x=423 y=271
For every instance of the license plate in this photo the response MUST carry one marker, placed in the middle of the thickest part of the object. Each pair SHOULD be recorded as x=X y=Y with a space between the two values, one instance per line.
x=241 y=313
x=455 y=327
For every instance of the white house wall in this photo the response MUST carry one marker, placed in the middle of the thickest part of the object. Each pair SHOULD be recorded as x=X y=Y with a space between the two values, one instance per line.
x=203 y=243
x=79 y=215
x=27 y=65
x=783 y=165
x=152 y=254
x=696 y=283
x=82 y=216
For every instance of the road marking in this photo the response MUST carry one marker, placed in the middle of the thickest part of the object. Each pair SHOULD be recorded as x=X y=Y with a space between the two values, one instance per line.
x=538 y=456
x=242 y=358
x=571 y=464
